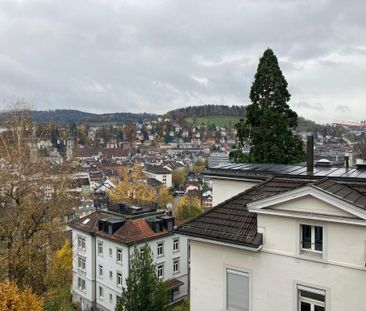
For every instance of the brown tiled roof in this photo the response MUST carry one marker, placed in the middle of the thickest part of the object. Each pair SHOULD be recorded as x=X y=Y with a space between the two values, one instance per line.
x=133 y=231
x=136 y=230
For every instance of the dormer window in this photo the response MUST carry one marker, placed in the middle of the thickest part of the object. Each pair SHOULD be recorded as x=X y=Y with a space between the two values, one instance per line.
x=312 y=238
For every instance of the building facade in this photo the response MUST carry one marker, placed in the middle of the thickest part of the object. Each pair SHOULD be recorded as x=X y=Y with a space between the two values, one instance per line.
x=103 y=244
x=288 y=243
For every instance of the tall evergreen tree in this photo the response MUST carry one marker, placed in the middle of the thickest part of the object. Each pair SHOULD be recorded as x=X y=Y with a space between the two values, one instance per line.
x=144 y=290
x=269 y=120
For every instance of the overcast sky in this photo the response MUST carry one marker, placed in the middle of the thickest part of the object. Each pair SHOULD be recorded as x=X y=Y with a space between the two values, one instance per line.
x=154 y=56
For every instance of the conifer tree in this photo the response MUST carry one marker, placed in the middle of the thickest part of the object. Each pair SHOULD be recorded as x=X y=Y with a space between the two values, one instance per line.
x=269 y=120
x=143 y=290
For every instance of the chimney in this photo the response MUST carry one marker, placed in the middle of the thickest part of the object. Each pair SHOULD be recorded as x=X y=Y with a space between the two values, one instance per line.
x=346 y=161
x=310 y=154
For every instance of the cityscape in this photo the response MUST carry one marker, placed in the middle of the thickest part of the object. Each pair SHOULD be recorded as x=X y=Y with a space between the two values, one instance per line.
x=179 y=156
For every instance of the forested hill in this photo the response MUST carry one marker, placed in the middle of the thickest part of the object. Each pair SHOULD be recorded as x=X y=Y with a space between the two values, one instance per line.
x=206 y=110
x=76 y=116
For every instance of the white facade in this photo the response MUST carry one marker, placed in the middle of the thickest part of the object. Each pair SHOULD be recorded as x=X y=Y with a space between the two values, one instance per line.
x=103 y=268
x=165 y=179
x=281 y=270
x=224 y=189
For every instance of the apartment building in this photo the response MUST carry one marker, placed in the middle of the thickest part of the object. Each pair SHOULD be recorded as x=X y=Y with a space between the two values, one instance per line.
x=103 y=243
x=293 y=240
x=160 y=173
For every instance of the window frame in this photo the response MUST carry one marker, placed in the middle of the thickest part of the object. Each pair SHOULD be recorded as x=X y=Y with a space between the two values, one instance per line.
x=100 y=270
x=119 y=276
x=239 y=270
x=160 y=265
x=119 y=251
x=162 y=249
x=100 y=293
x=82 y=260
x=81 y=243
x=313 y=302
x=175 y=242
x=176 y=260
x=81 y=284
x=100 y=250
x=312 y=238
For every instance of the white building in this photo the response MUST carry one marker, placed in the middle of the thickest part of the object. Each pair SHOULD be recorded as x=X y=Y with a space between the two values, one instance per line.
x=160 y=173
x=293 y=242
x=103 y=244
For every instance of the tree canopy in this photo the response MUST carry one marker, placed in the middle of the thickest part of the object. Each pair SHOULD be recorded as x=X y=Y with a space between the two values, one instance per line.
x=143 y=290
x=269 y=119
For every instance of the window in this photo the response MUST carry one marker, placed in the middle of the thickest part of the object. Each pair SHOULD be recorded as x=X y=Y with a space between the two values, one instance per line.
x=81 y=243
x=312 y=238
x=119 y=279
x=141 y=252
x=110 y=274
x=176 y=265
x=310 y=299
x=110 y=252
x=176 y=245
x=237 y=290
x=81 y=284
x=160 y=249
x=100 y=292
x=100 y=270
x=110 y=298
x=81 y=262
x=100 y=248
x=119 y=255
x=160 y=271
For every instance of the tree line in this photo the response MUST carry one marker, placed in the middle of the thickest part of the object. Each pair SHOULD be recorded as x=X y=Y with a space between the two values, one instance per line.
x=206 y=110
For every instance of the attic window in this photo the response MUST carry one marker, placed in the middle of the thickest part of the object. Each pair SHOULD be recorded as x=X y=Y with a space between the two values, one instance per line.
x=86 y=221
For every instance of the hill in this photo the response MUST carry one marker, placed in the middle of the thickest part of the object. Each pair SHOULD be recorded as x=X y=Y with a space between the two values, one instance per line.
x=206 y=110
x=214 y=119
x=76 y=116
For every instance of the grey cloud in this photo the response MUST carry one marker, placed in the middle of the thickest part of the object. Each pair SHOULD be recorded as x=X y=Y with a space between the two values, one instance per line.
x=141 y=55
x=311 y=106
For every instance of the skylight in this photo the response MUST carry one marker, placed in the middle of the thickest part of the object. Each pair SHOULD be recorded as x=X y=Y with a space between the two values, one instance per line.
x=86 y=221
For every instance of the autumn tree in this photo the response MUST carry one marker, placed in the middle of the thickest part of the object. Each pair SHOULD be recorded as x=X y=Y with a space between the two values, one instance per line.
x=269 y=119
x=189 y=206
x=14 y=299
x=30 y=215
x=132 y=187
x=179 y=177
x=143 y=290
x=199 y=166
x=59 y=279
x=164 y=196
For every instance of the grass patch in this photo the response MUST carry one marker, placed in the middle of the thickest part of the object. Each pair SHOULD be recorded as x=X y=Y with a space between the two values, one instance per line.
x=220 y=120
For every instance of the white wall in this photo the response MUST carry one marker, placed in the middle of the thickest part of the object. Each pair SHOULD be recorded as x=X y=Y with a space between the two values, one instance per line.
x=272 y=279
x=224 y=189
x=89 y=274
x=109 y=263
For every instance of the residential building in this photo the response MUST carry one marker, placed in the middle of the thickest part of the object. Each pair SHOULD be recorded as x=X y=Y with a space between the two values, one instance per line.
x=103 y=243
x=160 y=173
x=295 y=241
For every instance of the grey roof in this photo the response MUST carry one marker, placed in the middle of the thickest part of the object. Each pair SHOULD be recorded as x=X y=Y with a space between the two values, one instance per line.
x=263 y=171
x=231 y=222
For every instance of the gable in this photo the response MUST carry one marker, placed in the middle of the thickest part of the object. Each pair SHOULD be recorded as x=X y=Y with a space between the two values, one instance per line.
x=313 y=205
